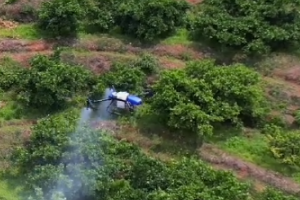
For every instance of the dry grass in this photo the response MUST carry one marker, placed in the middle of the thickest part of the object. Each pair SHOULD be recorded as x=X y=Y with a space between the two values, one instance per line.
x=21 y=10
x=7 y=24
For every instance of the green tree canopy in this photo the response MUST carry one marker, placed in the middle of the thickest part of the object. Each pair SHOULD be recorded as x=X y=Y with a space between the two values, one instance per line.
x=124 y=77
x=83 y=163
x=196 y=97
x=66 y=160
x=255 y=26
x=152 y=19
x=60 y=17
x=49 y=83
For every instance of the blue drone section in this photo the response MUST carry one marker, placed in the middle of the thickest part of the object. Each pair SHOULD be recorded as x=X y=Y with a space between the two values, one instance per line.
x=132 y=99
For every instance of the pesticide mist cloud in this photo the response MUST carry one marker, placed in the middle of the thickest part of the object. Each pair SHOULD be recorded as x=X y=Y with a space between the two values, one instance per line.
x=70 y=182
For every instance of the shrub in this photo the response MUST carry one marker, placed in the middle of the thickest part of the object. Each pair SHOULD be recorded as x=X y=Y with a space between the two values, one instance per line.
x=196 y=97
x=153 y=19
x=60 y=18
x=253 y=26
x=49 y=83
x=285 y=146
x=9 y=74
x=147 y=63
x=124 y=77
x=100 y=14
x=272 y=194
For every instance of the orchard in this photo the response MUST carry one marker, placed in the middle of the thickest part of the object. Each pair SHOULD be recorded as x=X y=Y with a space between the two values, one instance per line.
x=195 y=97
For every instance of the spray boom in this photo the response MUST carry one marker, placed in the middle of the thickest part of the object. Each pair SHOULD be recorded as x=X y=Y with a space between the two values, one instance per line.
x=120 y=100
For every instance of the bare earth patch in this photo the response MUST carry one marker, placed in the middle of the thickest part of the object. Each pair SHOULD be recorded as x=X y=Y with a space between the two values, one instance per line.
x=24 y=57
x=98 y=64
x=176 y=51
x=180 y=52
x=14 y=45
x=100 y=54
x=291 y=74
x=194 y=2
x=21 y=10
x=283 y=91
x=12 y=133
x=169 y=63
x=7 y=24
x=248 y=170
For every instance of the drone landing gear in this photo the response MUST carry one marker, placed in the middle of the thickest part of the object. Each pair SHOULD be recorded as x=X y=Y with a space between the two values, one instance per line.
x=112 y=109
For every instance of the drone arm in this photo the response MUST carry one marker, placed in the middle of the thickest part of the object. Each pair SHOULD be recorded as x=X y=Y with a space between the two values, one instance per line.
x=100 y=100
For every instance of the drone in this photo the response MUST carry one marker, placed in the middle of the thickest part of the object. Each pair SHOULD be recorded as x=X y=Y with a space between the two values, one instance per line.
x=120 y=100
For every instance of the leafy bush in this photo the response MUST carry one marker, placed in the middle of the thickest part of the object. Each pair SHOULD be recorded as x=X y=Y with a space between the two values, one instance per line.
x=147 y=63
x=285 y=146
x=48 y=139
x=49 y=83
x=60 y=18
x=254 y=26
x=196 y=97
x=100 y=14
x=153 y=19
x=9 y=74
x=124 y=77
x=272 y=194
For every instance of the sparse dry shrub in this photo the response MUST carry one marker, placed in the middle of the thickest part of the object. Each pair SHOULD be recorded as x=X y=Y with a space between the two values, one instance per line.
x=20 y=10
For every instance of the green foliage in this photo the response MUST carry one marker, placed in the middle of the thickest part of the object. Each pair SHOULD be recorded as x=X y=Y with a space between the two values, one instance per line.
x=147 y=63
x=297 y=117
x=60 y=18
x=11 y=111
x=271 y=194
x=196 y=97
x=153 y=19
x=254 y=26
x=48 y=139
x=49 y=83
x=9 y=73
x=285 y=146
x=100 y=14
x=10 y=1
x=89 y=164
x=128 y=77
x=124 y=77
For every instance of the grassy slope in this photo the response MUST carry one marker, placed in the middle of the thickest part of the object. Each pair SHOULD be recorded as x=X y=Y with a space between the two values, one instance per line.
x=24 y=31
x=8 y=190
x=253 y=148
x=28 y=32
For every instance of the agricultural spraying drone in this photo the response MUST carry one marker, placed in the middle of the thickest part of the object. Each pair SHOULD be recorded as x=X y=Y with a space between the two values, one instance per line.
x=118 y=100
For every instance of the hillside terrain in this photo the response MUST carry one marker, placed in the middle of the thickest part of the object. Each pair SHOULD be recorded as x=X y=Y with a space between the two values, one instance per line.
x=254 y=135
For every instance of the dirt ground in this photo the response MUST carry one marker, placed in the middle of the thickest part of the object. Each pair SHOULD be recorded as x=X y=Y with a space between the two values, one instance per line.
x=97 y=59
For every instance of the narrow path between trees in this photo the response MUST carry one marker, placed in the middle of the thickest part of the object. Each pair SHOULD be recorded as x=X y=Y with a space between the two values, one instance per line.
x=247 y=170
